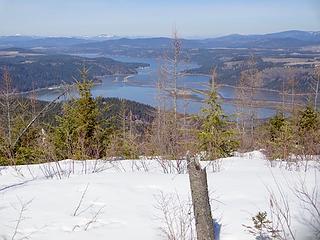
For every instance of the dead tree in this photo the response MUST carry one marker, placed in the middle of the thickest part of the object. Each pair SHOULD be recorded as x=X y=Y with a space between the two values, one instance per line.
x=249 y=83
x=200 y=200
x=315 y=85
x=32 y=121
x=170 y=70
x=214 y=76
x=8 y=103
x=292 y=84
x=168 y=119
x=176 y=44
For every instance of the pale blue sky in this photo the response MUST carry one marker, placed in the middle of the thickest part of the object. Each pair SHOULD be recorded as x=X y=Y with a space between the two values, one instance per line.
x=156 y=17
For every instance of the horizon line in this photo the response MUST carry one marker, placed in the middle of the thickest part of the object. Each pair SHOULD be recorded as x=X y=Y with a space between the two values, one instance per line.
x=151 y=36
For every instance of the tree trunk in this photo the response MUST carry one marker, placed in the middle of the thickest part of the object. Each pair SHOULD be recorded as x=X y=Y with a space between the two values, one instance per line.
x=316 y=94
x=200 y=201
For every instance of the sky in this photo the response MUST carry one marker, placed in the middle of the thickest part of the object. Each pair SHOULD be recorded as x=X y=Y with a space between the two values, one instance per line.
x=192 y=18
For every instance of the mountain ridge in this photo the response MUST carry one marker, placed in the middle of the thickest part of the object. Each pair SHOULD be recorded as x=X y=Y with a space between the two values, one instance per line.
x=284 y=39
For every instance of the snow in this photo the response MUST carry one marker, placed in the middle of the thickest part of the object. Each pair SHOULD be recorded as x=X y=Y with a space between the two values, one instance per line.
x=121 y=197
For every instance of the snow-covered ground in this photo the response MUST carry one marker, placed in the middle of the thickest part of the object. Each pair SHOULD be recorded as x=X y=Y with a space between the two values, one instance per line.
x=119 y=200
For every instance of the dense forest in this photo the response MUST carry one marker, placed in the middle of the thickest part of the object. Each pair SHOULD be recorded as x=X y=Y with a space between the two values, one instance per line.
x=31 y=70
x=277 y=67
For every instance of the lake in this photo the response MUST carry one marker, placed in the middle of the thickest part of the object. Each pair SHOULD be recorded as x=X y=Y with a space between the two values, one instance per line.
x=141 y=87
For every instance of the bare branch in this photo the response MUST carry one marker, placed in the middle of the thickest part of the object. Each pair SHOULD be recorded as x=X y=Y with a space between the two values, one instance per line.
x=75 y=213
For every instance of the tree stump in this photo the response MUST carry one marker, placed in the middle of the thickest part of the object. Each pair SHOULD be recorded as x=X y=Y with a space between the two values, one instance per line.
x=200 y=201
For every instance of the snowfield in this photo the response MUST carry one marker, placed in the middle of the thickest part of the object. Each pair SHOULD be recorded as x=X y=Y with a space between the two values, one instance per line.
x=118 y=200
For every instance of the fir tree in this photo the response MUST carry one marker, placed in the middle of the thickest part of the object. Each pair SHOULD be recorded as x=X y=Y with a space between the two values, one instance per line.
x=78 y=126
x=308 y=120
x=216 y=136
x=308 y=131
x=262 y=228
x=280 y=137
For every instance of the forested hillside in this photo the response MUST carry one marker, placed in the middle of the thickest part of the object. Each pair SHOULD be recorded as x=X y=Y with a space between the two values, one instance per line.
x=32 y=70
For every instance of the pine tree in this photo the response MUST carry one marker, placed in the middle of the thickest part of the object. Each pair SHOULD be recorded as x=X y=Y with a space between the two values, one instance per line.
x=77 y=128
x=262 y=228
x=308 y=120
x=216 y=136
x=280 y=138
x=308 y=131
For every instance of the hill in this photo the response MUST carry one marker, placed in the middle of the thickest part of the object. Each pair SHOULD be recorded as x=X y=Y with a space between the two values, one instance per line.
x=286 y=39
x=32 y=70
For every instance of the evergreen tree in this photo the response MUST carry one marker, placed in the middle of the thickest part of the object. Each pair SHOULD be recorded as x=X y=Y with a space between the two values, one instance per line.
x=308 y=120
x=216 y=136
x=262 y=228
x=78 y=127
x=280 y=137
x=308 y=131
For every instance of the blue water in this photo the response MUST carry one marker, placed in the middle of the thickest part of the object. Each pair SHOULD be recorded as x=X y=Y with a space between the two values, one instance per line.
x=141 y=88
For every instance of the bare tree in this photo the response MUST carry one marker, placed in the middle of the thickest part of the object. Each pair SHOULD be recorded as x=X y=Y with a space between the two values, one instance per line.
x=168 y=125
x=15 y=120
x=315 y=85
x=8 y=104
x=292 y=82
x=176 y=44
x=250 y=81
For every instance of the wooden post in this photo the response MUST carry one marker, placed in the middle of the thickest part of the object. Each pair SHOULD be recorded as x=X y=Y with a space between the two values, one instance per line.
x=200 y=200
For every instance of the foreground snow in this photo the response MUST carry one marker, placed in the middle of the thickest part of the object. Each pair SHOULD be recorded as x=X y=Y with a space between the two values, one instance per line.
x=120 y=198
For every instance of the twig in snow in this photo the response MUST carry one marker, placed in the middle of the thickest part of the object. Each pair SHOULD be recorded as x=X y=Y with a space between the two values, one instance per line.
x=75 y=213
x=94 y=218
x=21 y=218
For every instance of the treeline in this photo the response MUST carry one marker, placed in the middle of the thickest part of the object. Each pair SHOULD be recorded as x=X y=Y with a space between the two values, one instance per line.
x=31 y=70
x=108 y=108
x=89 y=128
x=292 y=138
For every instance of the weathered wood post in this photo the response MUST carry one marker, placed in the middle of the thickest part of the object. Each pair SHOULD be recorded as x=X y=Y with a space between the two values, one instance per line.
x=200 y=200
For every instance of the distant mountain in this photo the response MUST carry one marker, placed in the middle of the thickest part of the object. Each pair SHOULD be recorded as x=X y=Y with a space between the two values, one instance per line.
x=103 y=37
x=300 y=35
x=160 y=42
x=287 y=39
x=38 y=42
